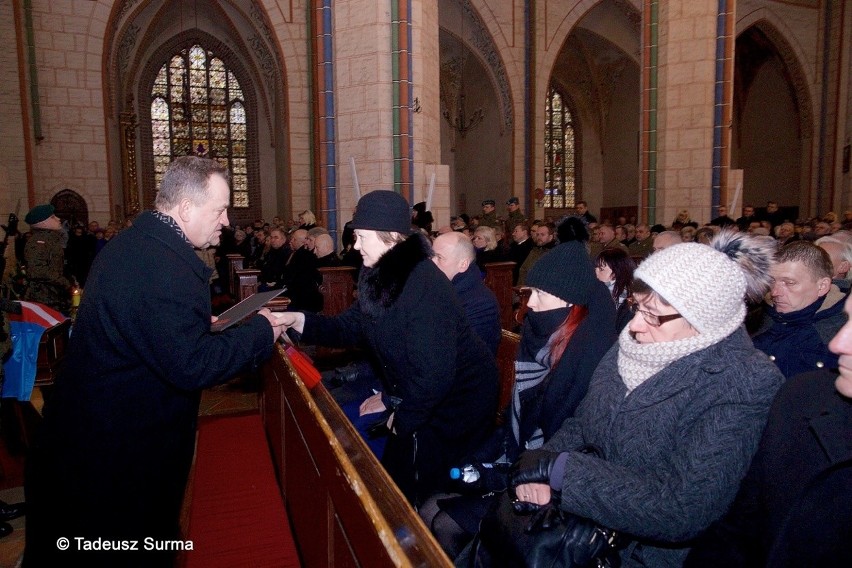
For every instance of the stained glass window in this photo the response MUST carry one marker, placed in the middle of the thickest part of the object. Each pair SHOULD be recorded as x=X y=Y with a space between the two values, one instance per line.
x=197 y=107
x=559 y=153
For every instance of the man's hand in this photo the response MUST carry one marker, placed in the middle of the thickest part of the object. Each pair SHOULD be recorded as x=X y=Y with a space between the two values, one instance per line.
x=277 y=326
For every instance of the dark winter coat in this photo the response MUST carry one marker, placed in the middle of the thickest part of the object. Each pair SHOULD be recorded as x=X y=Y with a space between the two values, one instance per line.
x=302 y=280
x=119 y=428
x=794 y=507
x=479 y=305
x=559 y=395
x=676 y=447
x=518 y=254
x=441 y=376
x=273 y=266
x=798 y=341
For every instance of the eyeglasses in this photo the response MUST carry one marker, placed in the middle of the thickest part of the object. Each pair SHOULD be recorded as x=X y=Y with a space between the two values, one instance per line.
x=651 y=319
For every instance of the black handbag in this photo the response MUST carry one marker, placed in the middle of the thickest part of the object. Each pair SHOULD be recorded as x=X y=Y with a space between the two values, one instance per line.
x=547 y=537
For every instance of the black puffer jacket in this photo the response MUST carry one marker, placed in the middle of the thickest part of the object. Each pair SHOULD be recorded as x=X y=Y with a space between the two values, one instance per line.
x=409 y=320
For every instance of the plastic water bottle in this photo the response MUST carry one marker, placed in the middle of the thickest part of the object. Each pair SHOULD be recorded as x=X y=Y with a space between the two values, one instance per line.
x=468 y=474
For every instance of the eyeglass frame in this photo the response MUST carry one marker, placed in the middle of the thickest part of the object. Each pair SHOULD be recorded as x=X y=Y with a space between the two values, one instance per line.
x=660 y=320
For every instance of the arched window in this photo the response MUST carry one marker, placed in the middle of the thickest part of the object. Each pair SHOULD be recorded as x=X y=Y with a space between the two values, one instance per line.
x=197 y=107
x=560 y=152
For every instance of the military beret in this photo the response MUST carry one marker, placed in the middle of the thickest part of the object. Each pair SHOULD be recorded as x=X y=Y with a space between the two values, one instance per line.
x=39 y=213
x=513 y=201
x=490 y=202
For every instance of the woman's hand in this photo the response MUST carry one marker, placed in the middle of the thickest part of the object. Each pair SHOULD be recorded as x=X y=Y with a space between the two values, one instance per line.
x=292 y=320
x=372 y=405
x=536 y=493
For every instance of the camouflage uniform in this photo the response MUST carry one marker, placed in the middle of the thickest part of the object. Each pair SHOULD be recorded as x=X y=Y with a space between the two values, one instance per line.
x=642 y=248
x=515 y=217
x=489 y=220
x=44 y=258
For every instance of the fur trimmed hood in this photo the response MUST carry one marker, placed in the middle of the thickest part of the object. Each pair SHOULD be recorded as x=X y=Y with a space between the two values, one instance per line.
x=381 y=285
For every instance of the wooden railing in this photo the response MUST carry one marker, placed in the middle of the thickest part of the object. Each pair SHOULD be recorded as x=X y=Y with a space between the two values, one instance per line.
x=343 y=507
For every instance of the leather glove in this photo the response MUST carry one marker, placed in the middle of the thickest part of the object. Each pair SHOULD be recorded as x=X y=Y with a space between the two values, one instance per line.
x=534 y=466
x=546 y=516
x=12 y=227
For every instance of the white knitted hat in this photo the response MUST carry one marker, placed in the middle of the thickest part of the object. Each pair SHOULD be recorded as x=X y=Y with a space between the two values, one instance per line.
x=703 y=284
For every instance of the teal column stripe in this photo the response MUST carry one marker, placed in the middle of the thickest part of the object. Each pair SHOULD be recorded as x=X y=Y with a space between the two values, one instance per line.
x=653 y=105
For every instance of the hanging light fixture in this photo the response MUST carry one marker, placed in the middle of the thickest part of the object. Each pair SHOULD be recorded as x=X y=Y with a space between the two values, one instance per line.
x=460 y=121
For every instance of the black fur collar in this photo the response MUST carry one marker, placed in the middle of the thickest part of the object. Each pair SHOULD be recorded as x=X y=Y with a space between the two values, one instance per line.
x=379 y=286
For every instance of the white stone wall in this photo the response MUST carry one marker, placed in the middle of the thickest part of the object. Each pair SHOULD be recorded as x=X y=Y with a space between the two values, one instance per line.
x=69 y=43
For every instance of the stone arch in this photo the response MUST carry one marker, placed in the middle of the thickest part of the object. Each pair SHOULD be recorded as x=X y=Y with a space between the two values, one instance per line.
x=773 y=121
x=70 y=206
x=795 y=71
x=240 y=33
x=478 y=38
x=597 y=64
x=146 y=82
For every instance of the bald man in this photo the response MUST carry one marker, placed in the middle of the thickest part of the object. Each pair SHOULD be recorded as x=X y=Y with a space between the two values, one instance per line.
x=324 y=250
x=456 y=258
x=667 y=239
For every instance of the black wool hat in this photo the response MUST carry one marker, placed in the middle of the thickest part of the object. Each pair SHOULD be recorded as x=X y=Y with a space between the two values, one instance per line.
x=513 y=201
x=39 y=213
x=566 y=272
x=490 y=202
x=382 y=210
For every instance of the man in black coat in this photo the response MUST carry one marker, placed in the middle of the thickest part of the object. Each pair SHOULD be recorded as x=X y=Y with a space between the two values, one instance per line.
x=794 y=507
x=456 y=257
x=119 y=429
x=520 y=248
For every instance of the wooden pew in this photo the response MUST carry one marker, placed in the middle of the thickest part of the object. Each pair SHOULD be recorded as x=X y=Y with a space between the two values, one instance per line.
x=235 y=263
x=498 y=278
x=245 y=283
x=507 y=351
x=343 y=507
x=337 y=288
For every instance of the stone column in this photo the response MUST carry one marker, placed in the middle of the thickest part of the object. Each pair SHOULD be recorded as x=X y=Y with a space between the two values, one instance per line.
x=686 y=118
x=364 y=67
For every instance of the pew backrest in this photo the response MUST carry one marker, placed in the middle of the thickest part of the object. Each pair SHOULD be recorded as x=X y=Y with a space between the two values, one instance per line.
x=498 y=278
x=337 y=289
x=344 y=508
x=507 y=352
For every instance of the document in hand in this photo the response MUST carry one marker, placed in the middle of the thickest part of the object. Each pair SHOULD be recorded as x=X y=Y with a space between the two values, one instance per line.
x=245 y=308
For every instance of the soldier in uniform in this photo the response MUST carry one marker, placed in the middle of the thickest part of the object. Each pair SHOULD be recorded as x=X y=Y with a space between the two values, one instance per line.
x=515 y=214
x=489 y=215
x=44 y=259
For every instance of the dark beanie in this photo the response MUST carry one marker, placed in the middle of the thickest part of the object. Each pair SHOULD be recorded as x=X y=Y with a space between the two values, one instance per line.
x=39 y=213
x=566 y=272
x=382 y=210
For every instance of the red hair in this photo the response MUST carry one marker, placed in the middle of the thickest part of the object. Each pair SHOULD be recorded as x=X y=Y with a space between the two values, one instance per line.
x=565 y=332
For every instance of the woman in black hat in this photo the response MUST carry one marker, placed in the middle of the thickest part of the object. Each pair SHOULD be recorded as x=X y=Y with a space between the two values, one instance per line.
x=439 y=379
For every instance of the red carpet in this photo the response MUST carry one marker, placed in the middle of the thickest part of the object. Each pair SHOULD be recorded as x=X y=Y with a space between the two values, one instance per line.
x=237 y=517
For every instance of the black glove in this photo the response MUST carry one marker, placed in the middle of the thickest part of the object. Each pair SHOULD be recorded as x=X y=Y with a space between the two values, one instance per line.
x=12 y=227
x=546 y=516
x=534 y=466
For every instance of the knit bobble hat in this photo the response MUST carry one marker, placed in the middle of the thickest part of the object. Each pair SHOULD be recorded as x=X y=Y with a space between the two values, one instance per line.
x=703 y=284
x=566 y=272
x=382 y=210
